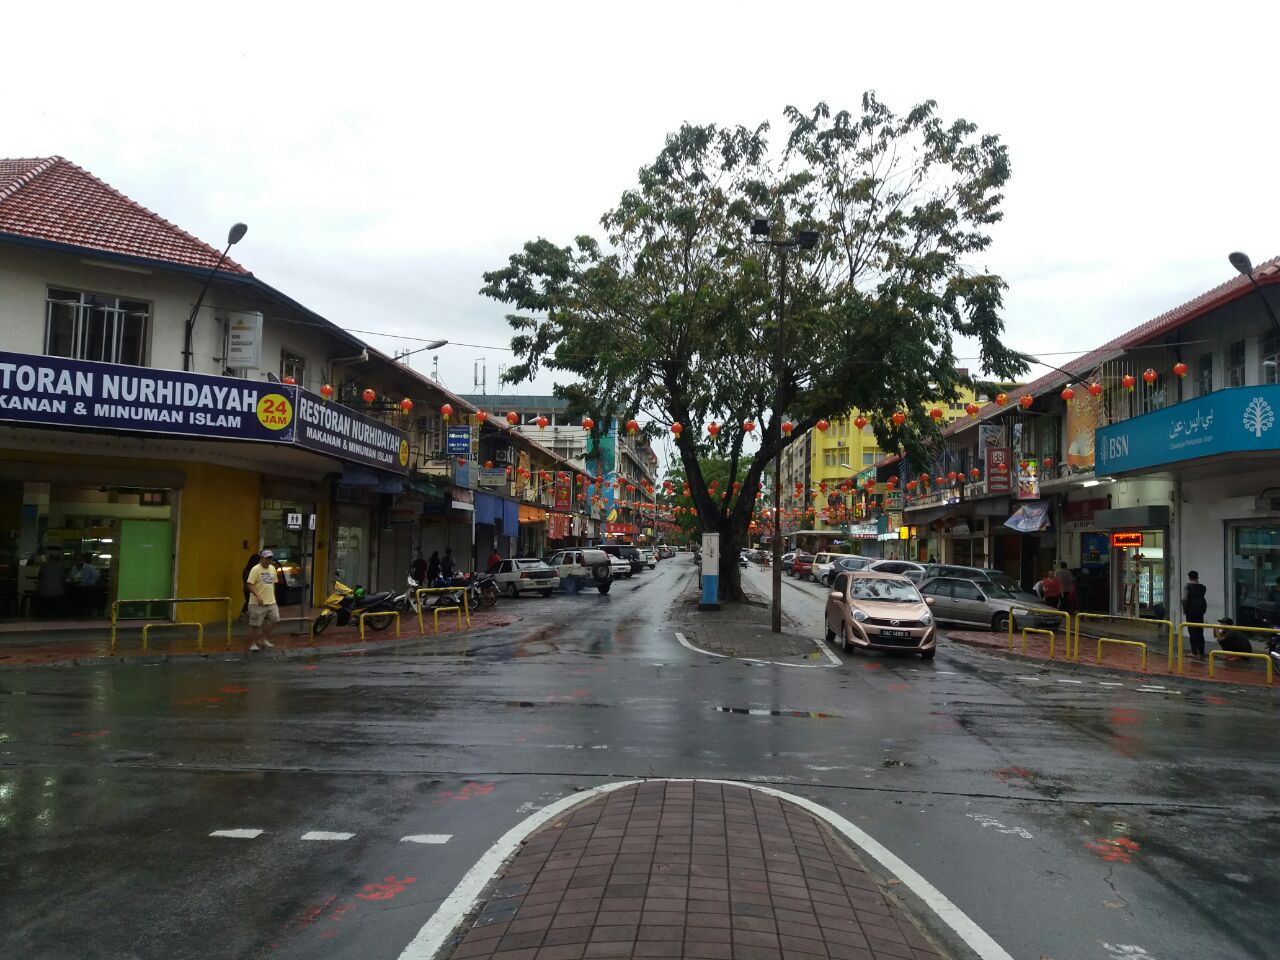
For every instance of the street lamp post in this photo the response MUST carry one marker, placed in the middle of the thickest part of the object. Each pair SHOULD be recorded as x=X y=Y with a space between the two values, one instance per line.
x=1244 y=265
x=234 y=236
x=761 y=230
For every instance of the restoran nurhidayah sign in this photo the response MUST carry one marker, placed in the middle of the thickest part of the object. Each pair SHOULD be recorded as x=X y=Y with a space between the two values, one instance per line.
x=85 y=394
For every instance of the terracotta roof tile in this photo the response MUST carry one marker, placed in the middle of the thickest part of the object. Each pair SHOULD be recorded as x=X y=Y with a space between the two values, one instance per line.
x=52 y=199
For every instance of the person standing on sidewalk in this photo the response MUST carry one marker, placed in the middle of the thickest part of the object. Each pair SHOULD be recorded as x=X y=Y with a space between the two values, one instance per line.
x=1194 y=607
x=263 y=612
x=1067 y=586
x=1051 y=590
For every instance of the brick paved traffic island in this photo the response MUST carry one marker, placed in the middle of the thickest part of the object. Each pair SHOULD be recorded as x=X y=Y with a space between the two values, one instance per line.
x=685 y=869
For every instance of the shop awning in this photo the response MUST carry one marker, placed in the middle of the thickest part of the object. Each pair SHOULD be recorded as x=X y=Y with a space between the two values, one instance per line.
x=489 y=509
x=1030 y=518
x=355 y=475
x=430 y=492
x=532 y=514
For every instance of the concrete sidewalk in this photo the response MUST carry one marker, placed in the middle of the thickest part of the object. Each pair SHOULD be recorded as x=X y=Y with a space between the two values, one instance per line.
x=742 y=630
x=694 y=870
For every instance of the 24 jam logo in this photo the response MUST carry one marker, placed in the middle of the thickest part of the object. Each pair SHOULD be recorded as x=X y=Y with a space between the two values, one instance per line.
x=275 y=412
x=1258 y=416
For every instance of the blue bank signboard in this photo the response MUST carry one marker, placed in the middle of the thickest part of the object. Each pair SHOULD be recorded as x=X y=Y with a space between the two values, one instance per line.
x=1236 y=420
x=58 y=392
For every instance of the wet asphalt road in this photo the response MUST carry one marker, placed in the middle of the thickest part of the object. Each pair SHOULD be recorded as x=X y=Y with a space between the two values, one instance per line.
x=1069 y=820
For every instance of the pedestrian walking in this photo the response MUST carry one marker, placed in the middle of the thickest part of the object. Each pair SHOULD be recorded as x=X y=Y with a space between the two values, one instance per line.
x=1067 y=587
x=419 y=569
x=263 y=612
x=433 y=569
x=448 y=566
x=495 y=558
x=1194 y=607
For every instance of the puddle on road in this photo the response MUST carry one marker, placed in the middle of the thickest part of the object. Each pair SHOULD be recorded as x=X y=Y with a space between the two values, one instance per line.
x=804 y=714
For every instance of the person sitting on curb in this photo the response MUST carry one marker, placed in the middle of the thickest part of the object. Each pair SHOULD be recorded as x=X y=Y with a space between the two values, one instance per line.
x=1237 y=641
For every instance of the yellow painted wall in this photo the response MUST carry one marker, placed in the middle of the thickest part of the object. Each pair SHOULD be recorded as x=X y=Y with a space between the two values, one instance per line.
x=218 y=528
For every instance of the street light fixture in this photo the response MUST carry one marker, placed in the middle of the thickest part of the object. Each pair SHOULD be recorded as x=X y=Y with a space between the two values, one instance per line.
x=1244 y=266
x=234 y=236
x=762 y=232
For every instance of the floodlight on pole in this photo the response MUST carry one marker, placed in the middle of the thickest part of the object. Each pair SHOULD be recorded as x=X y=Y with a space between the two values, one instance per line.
x=1244 y=266
x=234 y=236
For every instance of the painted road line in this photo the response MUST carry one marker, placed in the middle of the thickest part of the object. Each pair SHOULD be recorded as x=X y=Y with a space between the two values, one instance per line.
x=237 y=834
x=1106 y=683
x=325 y=835
x=427 y=838
x=441 y=924
x=1060 y=680
x=835 y=661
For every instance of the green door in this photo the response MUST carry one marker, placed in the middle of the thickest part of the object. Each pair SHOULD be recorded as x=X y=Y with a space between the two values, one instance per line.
x=145 y=567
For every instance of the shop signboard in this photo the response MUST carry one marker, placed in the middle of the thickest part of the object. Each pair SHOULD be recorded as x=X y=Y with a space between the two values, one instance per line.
x=997 y=472
x=564 y=490
x=244 y=341
x=492 y=476
x=1234 y=420
x=343 y=433
x=458 y=441
x=616 y=529
x=58 y=392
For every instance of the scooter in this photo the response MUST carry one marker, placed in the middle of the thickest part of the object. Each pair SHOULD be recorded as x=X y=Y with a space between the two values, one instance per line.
x=345 y=605
x=482 y=591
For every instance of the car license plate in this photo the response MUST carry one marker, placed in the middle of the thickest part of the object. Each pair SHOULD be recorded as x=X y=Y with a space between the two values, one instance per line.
x=903 y=634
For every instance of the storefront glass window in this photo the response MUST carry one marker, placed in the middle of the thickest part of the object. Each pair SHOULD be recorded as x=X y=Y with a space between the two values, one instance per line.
x=287 y=533
x=1142 y=577
x=1255 y=574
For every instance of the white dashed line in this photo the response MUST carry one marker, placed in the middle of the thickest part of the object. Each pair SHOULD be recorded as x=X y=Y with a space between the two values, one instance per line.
x=946 y=673
x=237 y=834
x=1158 y=690
x=1106 y=683
x=1060 y=680
x=427 y=838
x=325 y=835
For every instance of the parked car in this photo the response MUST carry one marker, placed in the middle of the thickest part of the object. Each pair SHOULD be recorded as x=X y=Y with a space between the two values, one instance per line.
x=822 y=563
x=786 y=561
x=986 y=603
x=627 y=552
x=801 y=565
x=932 y=570
x=525 y=575
x=617 y=566
x=580 y=568
x=879 y=611
x=845 y=565
x=908 y=568
x=647 y=555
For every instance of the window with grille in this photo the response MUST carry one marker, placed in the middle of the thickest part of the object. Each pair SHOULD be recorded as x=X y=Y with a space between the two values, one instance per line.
x=90 y=326
x=1235 y=364
x=292 y=365
x=1204 y=375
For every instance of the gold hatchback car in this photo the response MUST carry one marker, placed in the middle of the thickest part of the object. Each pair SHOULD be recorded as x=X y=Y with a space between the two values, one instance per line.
x=879 y=611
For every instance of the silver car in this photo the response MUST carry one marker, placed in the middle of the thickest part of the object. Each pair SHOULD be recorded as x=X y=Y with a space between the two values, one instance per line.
x=986 y=603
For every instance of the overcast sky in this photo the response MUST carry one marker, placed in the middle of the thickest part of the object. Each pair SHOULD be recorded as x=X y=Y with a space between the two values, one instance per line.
x=385 y=155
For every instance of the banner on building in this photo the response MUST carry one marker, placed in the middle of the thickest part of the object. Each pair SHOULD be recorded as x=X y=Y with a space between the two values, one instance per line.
x=1028 y=479
x=564 y=491
x=1031 y=518
x=1084 y=414
x=999 y=474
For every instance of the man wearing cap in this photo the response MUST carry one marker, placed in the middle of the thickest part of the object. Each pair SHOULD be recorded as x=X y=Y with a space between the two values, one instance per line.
x=263 y=612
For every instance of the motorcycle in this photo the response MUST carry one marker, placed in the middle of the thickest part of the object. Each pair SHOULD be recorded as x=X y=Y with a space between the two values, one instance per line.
x=482 y=591
x=345 y=604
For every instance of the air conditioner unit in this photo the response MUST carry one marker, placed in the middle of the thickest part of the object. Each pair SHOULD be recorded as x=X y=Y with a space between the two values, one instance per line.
x=502 y=455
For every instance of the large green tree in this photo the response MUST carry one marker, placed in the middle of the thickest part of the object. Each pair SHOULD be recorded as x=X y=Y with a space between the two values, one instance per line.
x=673 y=317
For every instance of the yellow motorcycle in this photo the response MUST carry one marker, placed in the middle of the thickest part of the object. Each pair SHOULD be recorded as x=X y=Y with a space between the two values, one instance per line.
x=345 y=604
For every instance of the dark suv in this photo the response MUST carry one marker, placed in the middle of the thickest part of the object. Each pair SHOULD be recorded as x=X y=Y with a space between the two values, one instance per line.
x=627 y=552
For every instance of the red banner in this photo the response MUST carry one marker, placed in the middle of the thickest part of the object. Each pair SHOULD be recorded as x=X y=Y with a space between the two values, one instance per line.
x=998 y=470
x=564 y=491
x=619 y=528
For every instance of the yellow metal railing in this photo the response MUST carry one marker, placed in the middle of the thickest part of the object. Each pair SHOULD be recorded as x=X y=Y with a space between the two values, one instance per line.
x=379 y=613
x=1066 y=624
x=1120 y=618
x=1127 y=643
x=1268 y=631
x=466 y=605
x=311 y=626
x=115 y=616
x=1232 y=653
x=436 y=611
x=148 y=627
x=1026 y=631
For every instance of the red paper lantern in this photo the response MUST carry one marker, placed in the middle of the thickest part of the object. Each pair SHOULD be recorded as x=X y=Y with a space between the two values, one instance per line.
x=713 y=428
x=446 y=411
x=1149 y=375
x=1095 y=389
x=971 y=409
x=288 y=380
x=911 y=484
x=542 y=422
x=787 y=427
x=369 y=395
x=677 y=428
x=326 y=391
x=748 y=425
x=898 y=418
x=462 y=461
x=975 y=473
x=406 y=405
x=951 y=476
x=822 y=425
x=633 y=427
x=1048 y=461
x=859 y=422
x=1179 y=369
x=936 y=413
x=513 y=418
x=1001 y=399
x=1128 y=381
x=1026 y=400
x=481 y=416
x=587 y=423
x=488 y=464
x=1068 y=394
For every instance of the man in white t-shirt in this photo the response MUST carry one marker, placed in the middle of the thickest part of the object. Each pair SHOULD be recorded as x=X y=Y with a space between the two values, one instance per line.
x=263 y=612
